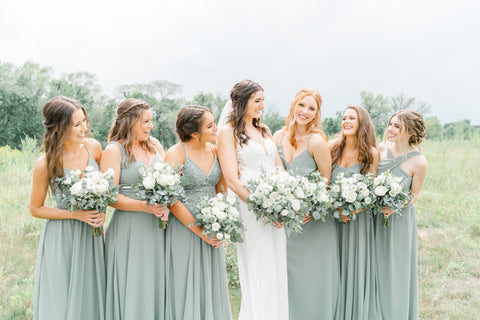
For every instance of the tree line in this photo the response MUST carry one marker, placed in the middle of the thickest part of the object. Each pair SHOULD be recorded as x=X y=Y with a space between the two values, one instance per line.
x=24 y=89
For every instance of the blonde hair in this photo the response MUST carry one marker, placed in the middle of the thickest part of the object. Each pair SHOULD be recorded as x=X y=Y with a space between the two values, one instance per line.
x=314 y=126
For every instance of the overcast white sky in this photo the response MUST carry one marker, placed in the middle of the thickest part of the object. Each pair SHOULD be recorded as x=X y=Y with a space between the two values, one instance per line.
x=429 y=50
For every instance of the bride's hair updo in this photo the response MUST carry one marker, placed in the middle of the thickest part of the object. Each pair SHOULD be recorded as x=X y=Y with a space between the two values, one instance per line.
x=240 y=95
x=189 y=121
x=58 y=113
x=366 y=139
x=128 y=113
x=315 y=126
x=412 y=123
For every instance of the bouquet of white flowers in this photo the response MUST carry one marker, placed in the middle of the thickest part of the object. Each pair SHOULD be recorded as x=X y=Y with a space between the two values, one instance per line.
x=218 y=216
x=316 y=196
x=278 y=198
x=350 y=194
x=388 y=189
x=93 y=191
x=160 y=184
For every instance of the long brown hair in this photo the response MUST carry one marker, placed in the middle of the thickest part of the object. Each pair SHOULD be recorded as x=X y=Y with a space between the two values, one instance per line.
x=314 y=126
x=365 y=140
x=57 y=113
x=240 y=94
x=128 y=113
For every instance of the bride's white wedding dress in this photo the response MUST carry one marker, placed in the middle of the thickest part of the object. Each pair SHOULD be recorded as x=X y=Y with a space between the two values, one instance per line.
x=262 y=258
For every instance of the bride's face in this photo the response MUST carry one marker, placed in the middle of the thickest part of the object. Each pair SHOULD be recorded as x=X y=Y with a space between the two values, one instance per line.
x=255 y=105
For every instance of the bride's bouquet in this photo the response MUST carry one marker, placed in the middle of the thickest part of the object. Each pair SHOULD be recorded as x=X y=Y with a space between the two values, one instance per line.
x=316 y=196
x=93 y=191
x=278 y=198
x=388 y=189
x=350 y=194
x=160 y=184
x=218 y=216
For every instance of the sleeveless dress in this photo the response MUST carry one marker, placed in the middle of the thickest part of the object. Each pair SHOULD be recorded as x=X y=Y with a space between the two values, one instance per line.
x=135 y=249
x=312 y=258
x=196 y=276
x=357 y=262
x=396 y=252
x=262 y=258
x=70 y=269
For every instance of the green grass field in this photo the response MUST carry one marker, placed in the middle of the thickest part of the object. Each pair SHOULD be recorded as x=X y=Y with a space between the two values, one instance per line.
x=448 y=214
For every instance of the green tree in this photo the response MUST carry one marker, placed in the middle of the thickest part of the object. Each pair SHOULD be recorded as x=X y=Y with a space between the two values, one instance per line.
x=332 y=126
x=211 y=101
x=273 y=119
x=434 y=128
x=378 y=108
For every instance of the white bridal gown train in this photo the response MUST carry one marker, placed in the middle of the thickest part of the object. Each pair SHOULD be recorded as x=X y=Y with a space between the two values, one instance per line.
x=262 y=258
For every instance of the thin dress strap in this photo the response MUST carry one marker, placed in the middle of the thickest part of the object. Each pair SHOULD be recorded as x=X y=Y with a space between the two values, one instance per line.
x=308 y=141
x=184 y=151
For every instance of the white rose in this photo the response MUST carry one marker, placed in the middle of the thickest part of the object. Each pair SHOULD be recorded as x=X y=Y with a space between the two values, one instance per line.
x=299 y=193
x=219 y=236
x=171 y=180
x=162 y=180
x=109 y=173
x=336 y=188
x=67 y=180
x=158 y=166
x=380 y=191
x=296 y=205
x=284 y=212
x=101 y=189
x=368 y=200
x=89 y=168
x=231 y=199
x=221 y=206
x=76 y=189
x=267 y=203
x=149 y=182
x=215 y=226
x=221 y=215
x=233 y=212
x=351 y=197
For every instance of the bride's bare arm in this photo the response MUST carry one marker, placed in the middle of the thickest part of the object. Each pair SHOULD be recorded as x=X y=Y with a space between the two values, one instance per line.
x=228 y=161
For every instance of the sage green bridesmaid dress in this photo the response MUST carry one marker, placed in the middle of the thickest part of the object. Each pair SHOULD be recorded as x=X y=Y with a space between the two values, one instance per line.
x=135 y=256
x=396 y=253
x=313 y=265
x=196 y=275
x=70 y=269
x=357 y=262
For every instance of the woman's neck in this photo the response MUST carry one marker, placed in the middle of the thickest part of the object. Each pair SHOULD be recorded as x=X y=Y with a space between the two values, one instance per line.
x=71 y=148
x=196 y=144
x=399 y=148
x=351 y=142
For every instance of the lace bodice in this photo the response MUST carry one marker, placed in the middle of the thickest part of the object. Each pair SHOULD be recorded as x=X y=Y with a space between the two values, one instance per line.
x=253 y=156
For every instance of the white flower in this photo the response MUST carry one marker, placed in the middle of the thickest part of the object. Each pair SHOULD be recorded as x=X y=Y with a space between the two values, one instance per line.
x=68 y=180
x=296 y=205
x=368 y=200
x=162 y=179
x=336 y=188
x=299 y=193
x=380 y=191
x=215 y=226
x=76 y=189
x=149 y=182
x=231 y=199
x=219 y=236
x=227 y=236
x=158 y=166
x=284 y=212
x=351 y=197
x=267 y=203
x=109 y=173
x=89 y=168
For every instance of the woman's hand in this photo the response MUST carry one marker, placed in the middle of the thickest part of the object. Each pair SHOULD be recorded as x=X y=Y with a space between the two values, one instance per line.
x=278 y=225
x=387 y=212
x=214 y=242
x=158 y=210
x=308 y=218
x=345 y=218
x=92 y=217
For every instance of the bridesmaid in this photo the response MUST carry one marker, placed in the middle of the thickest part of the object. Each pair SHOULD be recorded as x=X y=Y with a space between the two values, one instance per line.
x=195 y=265
x=354 y=152
x=396 y=245
x=134 y=244
x=70 y=269
x=312 y=256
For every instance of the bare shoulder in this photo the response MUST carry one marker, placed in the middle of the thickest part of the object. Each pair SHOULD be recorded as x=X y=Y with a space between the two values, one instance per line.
x=157 y=145
x=94 y=148
x=277 y=136
x=318 y=140
x=382 y=147
x=420 y=161
x=113 y=149
x=41 y=163
x=225 y=131
x=175 y=154
x=374 y=152
x=212 y=146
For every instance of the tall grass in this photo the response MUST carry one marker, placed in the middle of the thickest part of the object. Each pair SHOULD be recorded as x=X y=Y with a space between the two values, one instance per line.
x=448 y=215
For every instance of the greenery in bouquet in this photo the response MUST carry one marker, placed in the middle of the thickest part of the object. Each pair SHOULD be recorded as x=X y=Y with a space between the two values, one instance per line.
x=351 y=195
x=278 y=198
x=388 y=189
x=316 y=195
x=219 y=216
x=90 y=190
x=160 y=184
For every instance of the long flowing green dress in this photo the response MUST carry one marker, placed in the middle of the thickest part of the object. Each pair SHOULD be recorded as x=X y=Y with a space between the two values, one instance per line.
x=396 y=253
x=313 y=264
x=135 y=256
x=357 y=262
x=196 y=276
x=70 y=269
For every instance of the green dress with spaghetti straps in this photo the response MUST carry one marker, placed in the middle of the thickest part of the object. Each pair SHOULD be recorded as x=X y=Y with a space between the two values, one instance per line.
x=313 y=265
x=196 y=276
x=396 y=252
x=135 y=256
x=357 y=261
x=70 y=269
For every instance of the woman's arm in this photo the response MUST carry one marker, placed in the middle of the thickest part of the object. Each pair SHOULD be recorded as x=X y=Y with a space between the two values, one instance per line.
x=320 y=151
x=419 y=175
x=38 y=208
x=376 y=158
x=228 y=161
x=94 y=149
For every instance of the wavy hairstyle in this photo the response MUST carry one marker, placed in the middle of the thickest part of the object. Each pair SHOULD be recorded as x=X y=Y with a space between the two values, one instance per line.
x=240 y=95
x=128 y=113
x=57 y=113
x=190 y=121
x=314 y=126
x=366 y=139
x=411 y=123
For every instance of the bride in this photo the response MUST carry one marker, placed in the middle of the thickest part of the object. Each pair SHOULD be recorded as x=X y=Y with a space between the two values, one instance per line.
x=245 y=146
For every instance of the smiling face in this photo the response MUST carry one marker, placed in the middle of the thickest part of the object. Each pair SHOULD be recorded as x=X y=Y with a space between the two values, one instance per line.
x=306 y=111
x=255 y=105
x=208 y=131
x=350 y=122
x=141 y=129
x=394 y=130
x=79 y=127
